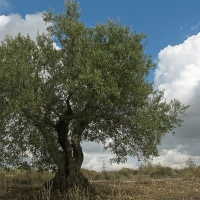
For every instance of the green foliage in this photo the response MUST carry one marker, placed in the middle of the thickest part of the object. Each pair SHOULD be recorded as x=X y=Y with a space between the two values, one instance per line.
x=125 y=172
x=155 y=171
x=99 y=76
x=161 y=172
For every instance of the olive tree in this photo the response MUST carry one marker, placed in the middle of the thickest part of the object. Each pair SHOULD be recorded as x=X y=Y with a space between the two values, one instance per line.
x=94 y=88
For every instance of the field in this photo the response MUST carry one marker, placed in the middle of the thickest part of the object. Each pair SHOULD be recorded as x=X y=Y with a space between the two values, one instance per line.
x=148 y=182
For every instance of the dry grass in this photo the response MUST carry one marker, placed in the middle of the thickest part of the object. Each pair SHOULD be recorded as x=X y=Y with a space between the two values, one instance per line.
x=125 y=184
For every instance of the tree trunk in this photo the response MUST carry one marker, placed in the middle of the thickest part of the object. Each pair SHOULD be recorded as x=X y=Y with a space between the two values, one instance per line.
x=73 y=179
x=69 y=174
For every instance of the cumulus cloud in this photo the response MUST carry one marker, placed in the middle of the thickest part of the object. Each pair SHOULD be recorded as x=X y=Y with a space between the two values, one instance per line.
x=178 y=74
x=178 y=71
x=94 y=157
x=14 y=23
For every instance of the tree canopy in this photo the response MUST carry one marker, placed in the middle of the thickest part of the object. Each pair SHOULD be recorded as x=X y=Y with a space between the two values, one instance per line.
x=94 y=88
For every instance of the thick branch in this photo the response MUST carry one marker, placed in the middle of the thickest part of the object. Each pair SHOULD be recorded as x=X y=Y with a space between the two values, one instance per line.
x=52 y=145
x=47 y=132
x=77 y=153
x=62 y=126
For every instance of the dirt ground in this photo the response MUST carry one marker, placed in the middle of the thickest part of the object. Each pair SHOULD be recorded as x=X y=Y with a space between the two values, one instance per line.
x=140 y=189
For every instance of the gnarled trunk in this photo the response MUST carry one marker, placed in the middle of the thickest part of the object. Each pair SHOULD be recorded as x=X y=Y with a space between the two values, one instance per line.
x=71 y=179
x=69 y=174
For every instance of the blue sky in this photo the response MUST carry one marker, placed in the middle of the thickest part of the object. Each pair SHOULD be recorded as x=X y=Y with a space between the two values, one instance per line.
x=172 y=28
x=166 y=22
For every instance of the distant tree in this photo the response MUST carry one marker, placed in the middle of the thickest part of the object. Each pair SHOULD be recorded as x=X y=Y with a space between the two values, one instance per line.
x=190 y=164
x=95 y=88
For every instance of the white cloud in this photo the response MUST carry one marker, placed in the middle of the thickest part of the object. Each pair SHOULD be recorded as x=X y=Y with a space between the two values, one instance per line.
x=174 y=158
x=178 y=71
x=195 y=26
x=3 y=21
x=14 y=23
x=94 y=156
x=178 y=74
x=31 y=24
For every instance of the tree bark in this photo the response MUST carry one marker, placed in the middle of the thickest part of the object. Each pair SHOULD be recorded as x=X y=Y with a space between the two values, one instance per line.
x=69 y=174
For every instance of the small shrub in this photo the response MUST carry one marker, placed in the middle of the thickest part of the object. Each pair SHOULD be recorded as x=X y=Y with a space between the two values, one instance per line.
x=190 y=164
x=146 y=169
x=134 y=172
x=161 y=172
x=106 y=175
x=125 y=172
